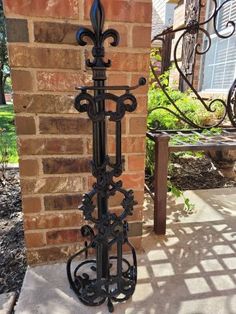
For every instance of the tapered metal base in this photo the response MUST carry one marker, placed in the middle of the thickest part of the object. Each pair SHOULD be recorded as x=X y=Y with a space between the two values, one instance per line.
x=93 y=289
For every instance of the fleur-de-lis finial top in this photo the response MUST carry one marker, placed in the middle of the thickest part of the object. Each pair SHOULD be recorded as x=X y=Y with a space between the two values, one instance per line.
x=97 y=36
x=97 y=18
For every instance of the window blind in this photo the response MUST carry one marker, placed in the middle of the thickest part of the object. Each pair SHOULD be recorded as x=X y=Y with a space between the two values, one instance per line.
x=227 y=13
x=219 y=70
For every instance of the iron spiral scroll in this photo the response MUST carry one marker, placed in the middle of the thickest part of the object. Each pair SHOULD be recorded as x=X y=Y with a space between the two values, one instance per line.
x=191 y=37
x=107 y=277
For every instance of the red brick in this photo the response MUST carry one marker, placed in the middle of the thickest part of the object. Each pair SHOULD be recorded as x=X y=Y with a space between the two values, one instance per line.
x=46 y=255
x=66 y=165
x=141 y=37
x=17 y=30
x=63 y=236
x=142 y=105
x=43 y=8
x=129 y=62
x=44 y=103
x=50 y=146
x=35 y=239
x=132 y=145
x=31 y=204
x=53 y=185
x=25 y=125
x=136 y=243
x=29 y=167
x=142 y=89
x=138 y=125
x=129 y=144
x=62 y=202
x=133 y=181
x=116 y=200
x=21 y=80
x=55 y=33
x=32 y=57
x=50 y=221
x=63 y=125
x=123 y=31
x=58 y=209
x=137 y=213
x=124 y=11
x=111 y=126
x=136 y=162
x=61 y=81
x=118 y=79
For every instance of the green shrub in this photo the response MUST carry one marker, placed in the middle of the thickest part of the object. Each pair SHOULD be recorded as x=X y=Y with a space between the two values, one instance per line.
x=8 y=134
x=8 y=85
x=159 y=104
x=159 y=107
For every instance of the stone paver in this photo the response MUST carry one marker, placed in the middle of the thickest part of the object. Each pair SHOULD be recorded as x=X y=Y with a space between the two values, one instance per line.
x=7 y=301
x=191 y=270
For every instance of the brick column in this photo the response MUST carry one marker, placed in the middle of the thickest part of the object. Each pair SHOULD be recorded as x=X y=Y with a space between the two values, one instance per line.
x=54 y=139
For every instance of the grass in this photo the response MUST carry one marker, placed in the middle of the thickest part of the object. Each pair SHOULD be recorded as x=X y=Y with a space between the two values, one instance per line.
x=8 y=137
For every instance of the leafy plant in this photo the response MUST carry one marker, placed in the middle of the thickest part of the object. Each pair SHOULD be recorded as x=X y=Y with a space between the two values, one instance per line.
x=188 y=206
x=159 y=107
x=9 y=135
x=4 y=66
x=150 y=156
x=150 y=166
x=8 y=85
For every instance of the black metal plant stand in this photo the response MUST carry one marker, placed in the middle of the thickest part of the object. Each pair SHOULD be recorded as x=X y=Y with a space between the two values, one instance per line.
x=106 y=278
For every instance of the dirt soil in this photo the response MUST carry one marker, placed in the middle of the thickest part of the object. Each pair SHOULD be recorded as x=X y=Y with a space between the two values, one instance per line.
x=191 y=173
x=12 y=248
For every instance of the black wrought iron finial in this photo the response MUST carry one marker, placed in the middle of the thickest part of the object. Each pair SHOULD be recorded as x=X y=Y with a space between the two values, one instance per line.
x=98 y=36
x=108 y=277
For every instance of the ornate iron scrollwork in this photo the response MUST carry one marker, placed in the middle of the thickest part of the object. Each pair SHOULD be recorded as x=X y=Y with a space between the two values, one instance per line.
x=192 y=48
x=111 y=278
x=231 y=104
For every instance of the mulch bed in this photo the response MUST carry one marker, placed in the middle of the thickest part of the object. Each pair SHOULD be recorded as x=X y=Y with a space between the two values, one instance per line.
x=12 y=248
x=191 y=173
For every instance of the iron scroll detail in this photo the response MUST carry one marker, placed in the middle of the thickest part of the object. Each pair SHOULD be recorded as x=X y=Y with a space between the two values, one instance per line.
x=189 y=35
x=107 y=277
x=231 y=103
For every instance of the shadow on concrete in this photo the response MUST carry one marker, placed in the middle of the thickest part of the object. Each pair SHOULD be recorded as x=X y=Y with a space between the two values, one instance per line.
x=191 y=270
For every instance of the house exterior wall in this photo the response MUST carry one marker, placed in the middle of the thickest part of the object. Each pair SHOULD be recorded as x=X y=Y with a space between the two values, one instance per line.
x=54 y=140
x=163 y=13
x=179 y=21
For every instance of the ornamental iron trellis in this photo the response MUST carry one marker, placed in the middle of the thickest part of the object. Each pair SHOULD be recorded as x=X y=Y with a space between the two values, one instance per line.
x=189 y=35
x=106 y=278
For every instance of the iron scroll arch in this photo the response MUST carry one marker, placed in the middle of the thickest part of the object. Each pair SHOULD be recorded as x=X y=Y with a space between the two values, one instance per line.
x=106 y=277
x=231 y=103
x=189 y=34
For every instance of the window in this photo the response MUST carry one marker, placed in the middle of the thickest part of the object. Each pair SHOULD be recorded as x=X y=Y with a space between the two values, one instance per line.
x=219 y=63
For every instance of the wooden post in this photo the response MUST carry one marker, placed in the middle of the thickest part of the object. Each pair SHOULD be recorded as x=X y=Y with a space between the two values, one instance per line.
x=160 y=182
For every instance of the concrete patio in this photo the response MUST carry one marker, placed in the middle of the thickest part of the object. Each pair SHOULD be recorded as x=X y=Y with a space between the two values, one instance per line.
x=191 y=270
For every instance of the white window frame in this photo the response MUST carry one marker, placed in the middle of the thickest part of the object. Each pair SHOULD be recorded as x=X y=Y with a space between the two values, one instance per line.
x=202 y=67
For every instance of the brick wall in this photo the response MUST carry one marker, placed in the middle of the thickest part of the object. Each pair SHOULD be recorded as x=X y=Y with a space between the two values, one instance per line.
x=54 y=139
